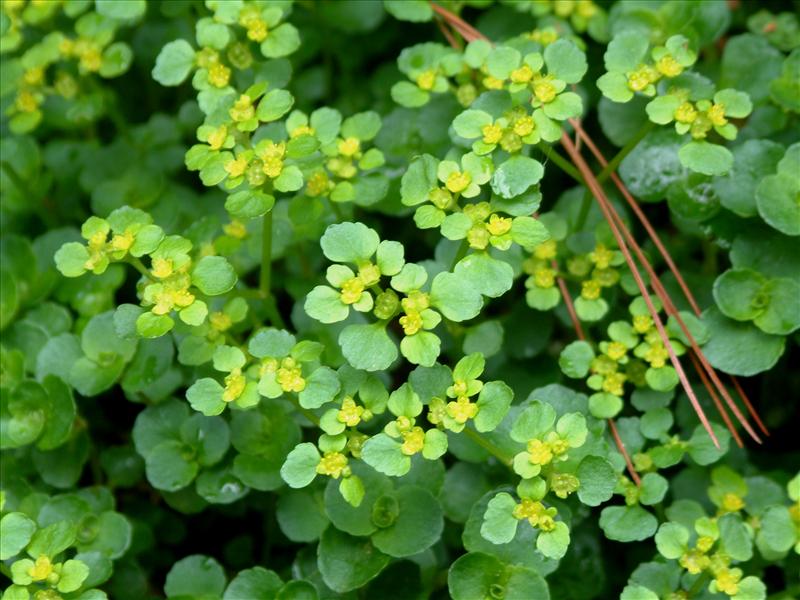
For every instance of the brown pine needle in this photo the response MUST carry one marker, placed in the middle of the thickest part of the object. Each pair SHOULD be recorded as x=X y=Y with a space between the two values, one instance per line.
x=599 y=194
x=628 y=462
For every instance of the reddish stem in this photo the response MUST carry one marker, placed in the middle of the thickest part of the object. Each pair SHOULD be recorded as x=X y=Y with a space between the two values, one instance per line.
x=562 y=285
x=465 y=29
x=451 y=39
x=715 y=399
x=621 y=447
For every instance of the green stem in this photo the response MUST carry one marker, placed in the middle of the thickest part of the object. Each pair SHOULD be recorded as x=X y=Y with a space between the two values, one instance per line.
x=139 y=266
x=626 y=149
x=488 y=446
x=460 y=253
x=305 y=412
x=265 y=278
x=560 y=162
x=698 y=585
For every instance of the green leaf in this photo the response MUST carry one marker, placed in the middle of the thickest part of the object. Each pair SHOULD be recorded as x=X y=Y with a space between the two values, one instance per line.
x=740 y=294
x=708 y=159
x=416 y=11
x=528 y=232
x=196 y=576
x=702 y=448
x=455 y=297
x=213 y=275
x=409 y=95
x=627 y=523
x=124 y=10
x=470 y=123
x=566 y=105
x=324 y=304
x=368 y=347
x=16 y=531
x=776 y=196
x=383 y=454
x=489 y=276
x=736 y=538
x=479 y=575
x=349 y=242
x=418 y=180
x=205 y=396
x=347 y=563
x=597 y=480
x=493 y=402
x=73 y=574
x=514 y=176
x=174 y=63
x=53 y=539
x=672 y=540
x=71 y=258
x=422 y=348
x=752 y=161
x=499 y=524
x=575 y=359
x=418 y=525
x=553 y=544
x=300 y=467
x=534 y=421
x=502 y=60
x=281 y=41
x=626 y=51
x=653 y=489
x=321 y=387
x=274 y=105
x=169 y=466
x=728 y=337
x=256 y=583
x=249 y=204
x=565 y=60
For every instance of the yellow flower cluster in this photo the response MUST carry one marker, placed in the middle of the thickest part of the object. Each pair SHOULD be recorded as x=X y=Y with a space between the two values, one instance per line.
x=536 y=513
x=333 y=464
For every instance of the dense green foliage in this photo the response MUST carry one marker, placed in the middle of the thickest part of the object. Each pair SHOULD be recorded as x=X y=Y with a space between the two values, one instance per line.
x=342 y=300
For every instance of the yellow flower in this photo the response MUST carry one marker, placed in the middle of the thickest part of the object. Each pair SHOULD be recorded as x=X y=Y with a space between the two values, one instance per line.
x=536 y=513
x=272 y=156
x=318 y=184
x=122 y=241
x=457 y=182
x=236 y=167
x=601 y=256
x=642 y=77
x=257 y=31
x=544 y=277
x=540 y=452
x=685 y=113
x=217 y=138
x=162 y=268
x=220 y=321
x=657 y=355
x=219 y=75
x=492 y=133
x=498 y=225
x=704 y=543
x=370 y=274
x=413 y=441
x=524 y=126
x=694 y=561
x=544 y=90
x=234 y=385
x=564 y=484
x=33 y=76
x=642 y=323
x=333 y=464
x=290 y=376
x=668 y=66
x=235 y=229
x=727 y=581
x=411 y=323
x=716 y=114
x=522 y=75
x=590 y=289
x=731 y=503
x=302 y=130
x=613 y=383
x=616 y=350
x=416 y=301
x=41 y=569
x=352 y=290
x=478 y=236
x=349 y=147
x=546 y=250
x=242 y=109
x=427 y=80
x=462 y=410
x=26 y=101
x=492 y=83
x=350 y=413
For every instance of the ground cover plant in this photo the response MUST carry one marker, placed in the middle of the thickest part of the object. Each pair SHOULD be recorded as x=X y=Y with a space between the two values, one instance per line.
x=362 y=299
